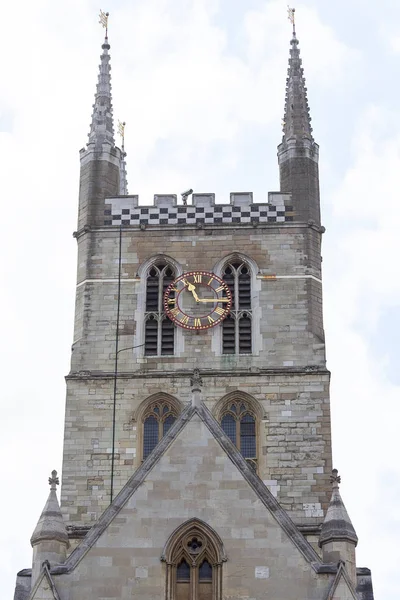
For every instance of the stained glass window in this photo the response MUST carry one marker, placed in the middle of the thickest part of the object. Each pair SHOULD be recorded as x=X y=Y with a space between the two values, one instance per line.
x=239 y=424
x=157 y=421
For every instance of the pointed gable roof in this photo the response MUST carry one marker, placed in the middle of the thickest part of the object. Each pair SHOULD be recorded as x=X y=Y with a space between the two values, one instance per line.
x=260 y=489
x=45 y=588
x=341 y=588
x=51 y=523
x=337 y=524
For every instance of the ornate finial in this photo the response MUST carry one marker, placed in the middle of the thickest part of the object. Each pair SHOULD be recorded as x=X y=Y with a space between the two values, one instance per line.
x=53 y=480
x=335 y=478
x=121 y=132
x=291 y=18
x=196 y=381
x=103 y=20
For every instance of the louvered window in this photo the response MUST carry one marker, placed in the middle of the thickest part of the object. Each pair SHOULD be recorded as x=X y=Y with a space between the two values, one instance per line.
x=239 y=424
x=159 y=334
x=157 y=421
x=237 y=327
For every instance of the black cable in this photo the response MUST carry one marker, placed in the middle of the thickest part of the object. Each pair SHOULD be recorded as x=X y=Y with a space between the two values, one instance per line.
x=116 y=366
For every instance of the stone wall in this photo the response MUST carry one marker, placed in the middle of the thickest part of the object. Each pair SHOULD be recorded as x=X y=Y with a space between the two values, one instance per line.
x=293 y=429
x=194 y=478
x=285 y=374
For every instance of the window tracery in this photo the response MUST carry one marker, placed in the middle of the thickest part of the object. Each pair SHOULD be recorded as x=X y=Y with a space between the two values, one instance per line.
x=159 y=334
x=194 y=557
x=157 y=421
x=239 y=423
x=237 y=327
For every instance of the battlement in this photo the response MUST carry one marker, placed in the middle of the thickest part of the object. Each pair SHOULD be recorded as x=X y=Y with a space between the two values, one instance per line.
x=125 y=210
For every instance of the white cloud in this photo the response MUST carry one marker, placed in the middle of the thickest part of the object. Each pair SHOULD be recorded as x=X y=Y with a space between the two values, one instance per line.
x=179 y=80
x=362 y=260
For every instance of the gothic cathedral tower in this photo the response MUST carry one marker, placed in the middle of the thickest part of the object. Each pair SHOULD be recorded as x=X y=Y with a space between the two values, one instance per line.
x=197 y=449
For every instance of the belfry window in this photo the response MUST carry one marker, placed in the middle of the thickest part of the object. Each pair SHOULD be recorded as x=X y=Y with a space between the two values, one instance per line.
x=239 y=423
x=159 y=332
x=157 y=420
x=237 y=327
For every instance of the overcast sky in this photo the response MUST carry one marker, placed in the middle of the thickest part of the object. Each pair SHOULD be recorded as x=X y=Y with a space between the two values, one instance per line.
x=201 y=86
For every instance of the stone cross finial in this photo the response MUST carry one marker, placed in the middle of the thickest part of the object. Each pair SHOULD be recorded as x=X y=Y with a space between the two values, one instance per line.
x=335 y=478
x=53 y=480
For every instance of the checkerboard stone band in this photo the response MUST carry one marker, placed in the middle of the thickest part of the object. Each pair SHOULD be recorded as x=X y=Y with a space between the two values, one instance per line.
x=193 y=215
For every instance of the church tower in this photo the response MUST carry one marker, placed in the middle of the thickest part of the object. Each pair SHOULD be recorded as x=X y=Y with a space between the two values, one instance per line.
x=197 y=449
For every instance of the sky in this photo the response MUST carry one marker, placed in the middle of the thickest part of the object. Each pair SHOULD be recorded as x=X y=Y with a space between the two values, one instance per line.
x=200 y=84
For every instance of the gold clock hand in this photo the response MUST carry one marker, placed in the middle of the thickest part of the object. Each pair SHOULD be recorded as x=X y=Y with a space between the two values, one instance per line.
x=213 y=300
x=192 y=288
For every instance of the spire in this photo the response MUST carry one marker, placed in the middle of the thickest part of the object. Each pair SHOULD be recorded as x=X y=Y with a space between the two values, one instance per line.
x=102 y=127
x=51 y=524
x=337 y=524
x=123 y=182
x=296 y=121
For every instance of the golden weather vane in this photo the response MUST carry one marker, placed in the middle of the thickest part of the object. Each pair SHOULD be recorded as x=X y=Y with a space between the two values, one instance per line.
x=291 y=18
x=103 y=20
x=121 y=132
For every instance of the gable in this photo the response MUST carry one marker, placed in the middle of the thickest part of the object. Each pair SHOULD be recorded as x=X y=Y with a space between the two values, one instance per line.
x=194 y=477
x=44 y=588
x=341 y=588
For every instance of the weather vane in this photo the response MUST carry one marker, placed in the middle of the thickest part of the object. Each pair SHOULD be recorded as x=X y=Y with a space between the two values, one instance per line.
x=121 y=132
x=291 y=18
x=104 y=20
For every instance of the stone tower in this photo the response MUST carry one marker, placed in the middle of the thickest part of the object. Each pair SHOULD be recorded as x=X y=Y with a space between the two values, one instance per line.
x=197 y=448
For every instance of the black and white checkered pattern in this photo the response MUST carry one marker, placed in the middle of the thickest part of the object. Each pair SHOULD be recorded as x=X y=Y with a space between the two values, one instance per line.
x=193 y=215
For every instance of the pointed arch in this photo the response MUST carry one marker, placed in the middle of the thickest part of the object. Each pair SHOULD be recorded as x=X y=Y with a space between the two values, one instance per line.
x=236 y=257
x=237 y=395
x=156 y=335
x=145 y=267
x=157 y=397
x=193 y=527
x=240 y=331
x=240 y=416
x=154 y=417
x=194 y=554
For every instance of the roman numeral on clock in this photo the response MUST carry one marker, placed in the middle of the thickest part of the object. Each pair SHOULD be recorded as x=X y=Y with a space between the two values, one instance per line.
x=210 y=319
x=197 y=322
x=175 y=311
x=197 y=278
x=185 y=319
x=219 y=310
x=220 y=288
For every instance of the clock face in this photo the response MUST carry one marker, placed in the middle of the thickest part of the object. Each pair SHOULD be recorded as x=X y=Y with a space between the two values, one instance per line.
x=197 y=300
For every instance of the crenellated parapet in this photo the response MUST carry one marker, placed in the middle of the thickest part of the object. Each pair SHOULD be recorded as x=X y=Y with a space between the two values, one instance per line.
x=125 y=210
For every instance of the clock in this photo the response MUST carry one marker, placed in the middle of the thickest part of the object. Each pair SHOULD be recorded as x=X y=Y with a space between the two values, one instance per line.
x=197 y=300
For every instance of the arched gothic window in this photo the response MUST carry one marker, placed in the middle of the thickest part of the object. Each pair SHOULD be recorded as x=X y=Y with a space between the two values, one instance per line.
x=159 y=334
x=194 y=564
x=157 y=420
x=239 y=423
x=237 y=327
